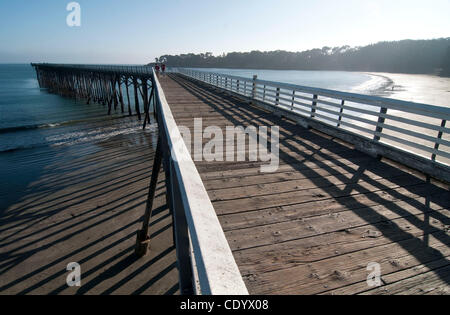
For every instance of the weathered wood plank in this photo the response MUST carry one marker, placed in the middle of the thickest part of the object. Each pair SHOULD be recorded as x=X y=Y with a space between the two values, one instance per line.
x=309 y=195
x=432 y=282
x=362 y=288
x=409 y=199
x=297 y=229
x=259 y=188
x=308 y=246
x=314 y=225
x=328 y=274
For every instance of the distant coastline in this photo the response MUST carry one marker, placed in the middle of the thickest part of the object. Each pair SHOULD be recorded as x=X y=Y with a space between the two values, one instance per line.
x=386 y=88
x=405 y=56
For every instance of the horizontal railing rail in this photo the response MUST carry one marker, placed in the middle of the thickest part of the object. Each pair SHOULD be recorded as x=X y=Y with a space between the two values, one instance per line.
x=420 y=130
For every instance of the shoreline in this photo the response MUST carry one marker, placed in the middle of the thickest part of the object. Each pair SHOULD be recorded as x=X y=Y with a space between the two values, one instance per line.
x=421 y=89
x=386 y=88
x=417 y=88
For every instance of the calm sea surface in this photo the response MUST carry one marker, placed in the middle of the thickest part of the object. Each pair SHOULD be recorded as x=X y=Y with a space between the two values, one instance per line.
x=31 y=117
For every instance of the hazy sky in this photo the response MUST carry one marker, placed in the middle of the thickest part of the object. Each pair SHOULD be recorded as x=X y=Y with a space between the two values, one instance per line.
x=136 y=31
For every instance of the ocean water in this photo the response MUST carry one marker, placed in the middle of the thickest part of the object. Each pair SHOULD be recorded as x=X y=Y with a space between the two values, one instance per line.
x=31 y=117
x=355 y=82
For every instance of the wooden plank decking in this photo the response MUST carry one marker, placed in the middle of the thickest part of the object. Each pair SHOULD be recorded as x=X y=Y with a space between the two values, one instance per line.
x=313 y=226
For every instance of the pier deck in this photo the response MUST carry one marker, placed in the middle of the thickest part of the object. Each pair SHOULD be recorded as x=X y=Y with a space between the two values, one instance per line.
x=83 y=203
x=315 y=225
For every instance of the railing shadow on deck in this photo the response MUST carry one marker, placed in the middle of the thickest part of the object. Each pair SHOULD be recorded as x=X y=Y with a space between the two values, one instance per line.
x=418 y=248
x=49 y=180
x=27 y=175
x=90 y=235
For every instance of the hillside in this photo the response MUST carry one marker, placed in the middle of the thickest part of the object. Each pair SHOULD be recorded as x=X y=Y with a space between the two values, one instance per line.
x=406 y=56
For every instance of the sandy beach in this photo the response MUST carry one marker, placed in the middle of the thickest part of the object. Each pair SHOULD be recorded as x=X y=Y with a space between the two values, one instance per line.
x=419 y=88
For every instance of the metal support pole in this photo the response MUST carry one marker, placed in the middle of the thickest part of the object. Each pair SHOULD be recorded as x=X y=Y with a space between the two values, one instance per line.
x=293 y=100
x=277 y=99
x=136 y=98
x=143 y=239
x=314 y=106
x=127 y=84
x=341 y=111
x=255 y=77
x=381 y=120
x=147 y=110
x=439 y=137
x=119 y=81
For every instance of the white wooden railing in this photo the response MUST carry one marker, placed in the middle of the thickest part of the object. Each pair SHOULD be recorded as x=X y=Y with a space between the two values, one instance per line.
x=214 y=268
x=379 y=126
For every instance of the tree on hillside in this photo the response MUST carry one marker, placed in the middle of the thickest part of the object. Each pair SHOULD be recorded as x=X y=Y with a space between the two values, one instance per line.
x=446 y=64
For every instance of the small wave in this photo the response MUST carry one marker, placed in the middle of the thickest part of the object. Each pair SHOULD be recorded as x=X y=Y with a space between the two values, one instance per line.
x=376 y=85
x=95 y=135
x=54 y=125
x=78 y=137
x=27 y=127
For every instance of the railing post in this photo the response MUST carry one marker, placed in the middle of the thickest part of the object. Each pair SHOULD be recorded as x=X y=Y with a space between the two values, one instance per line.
x=237 y=86
x=277 y=100
x=293 y=100
x=264 y=93
x=314 y=106
x=381 y=120
x=341 y=111
x=255 y=77
x=439 y=137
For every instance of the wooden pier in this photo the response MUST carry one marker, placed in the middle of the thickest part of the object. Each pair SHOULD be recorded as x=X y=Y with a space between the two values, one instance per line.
x=339 y=203
x=330 y=210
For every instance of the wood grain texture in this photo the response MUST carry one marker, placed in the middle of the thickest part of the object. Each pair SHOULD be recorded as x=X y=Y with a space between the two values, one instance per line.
x=313 y=226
